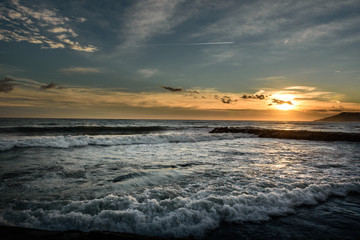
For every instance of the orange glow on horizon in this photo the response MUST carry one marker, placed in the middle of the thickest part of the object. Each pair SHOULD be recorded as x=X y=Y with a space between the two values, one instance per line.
x=285 y=107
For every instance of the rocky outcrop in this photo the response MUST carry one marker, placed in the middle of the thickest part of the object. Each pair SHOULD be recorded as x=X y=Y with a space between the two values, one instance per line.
x=292 y=134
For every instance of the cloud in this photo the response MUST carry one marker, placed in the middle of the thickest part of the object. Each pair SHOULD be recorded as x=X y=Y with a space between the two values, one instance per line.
x=228 y=100
x=148 y=18
x=255 y=96
x=260 y=29
x=100 y=100
x=173 y=89
x=272 y=78
x=38 y=25
x=192 y=93
x=191 y=44
x=49 y=86
x=63 y=30
x=82 y=70
x=306 y=88
x=147 y=72
x=341 y=31
x=81 y=19
x=7 y=85
x=75 y=45
x=280 y=102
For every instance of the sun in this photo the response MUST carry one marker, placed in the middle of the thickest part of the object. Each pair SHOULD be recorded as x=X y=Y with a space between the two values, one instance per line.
x=284 y=102
x=285 y=107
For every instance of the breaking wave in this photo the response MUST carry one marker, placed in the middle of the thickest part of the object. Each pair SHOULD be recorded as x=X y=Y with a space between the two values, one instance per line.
x=80 y=130
x=7 y=143
x=167 y=217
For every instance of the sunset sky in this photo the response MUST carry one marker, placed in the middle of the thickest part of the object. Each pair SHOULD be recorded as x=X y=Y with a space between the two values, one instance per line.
x=178 y=59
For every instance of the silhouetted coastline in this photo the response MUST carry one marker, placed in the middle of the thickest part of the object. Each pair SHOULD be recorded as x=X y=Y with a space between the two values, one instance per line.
x=292 y=134
x=342 y=117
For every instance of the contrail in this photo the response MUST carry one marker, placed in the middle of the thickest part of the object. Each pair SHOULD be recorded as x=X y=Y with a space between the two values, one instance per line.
x=191 y=44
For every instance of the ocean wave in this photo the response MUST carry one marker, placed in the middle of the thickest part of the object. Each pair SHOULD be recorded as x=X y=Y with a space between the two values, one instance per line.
x=104 y=140
x=80 y=130
x=170 y=217
x=292 y=134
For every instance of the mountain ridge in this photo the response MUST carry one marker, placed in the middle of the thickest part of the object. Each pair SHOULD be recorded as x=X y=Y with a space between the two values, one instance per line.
x=342 y=117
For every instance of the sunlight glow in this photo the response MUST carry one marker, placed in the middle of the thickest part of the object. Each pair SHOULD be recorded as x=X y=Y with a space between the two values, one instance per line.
x=285 y=107
x=287 y=104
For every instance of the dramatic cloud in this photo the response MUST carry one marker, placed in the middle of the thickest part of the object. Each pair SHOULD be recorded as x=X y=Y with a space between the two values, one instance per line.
x=34 y=24
x=7 y=85
x=91 y=100
x=173 y=89
x=80 y=70
x=147 y=72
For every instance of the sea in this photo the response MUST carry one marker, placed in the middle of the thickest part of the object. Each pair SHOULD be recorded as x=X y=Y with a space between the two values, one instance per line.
x=175 y=179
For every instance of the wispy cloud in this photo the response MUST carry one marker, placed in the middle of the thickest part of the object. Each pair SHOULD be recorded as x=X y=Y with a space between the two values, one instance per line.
x=271 y=78
x=277 y=18
x=147 y=72
x=305 y=88
x=271 y=29
x=82 y=70
x=172 y=89
x=148 y=18
x=191 y=44
x=49 y=86
x=38 y=25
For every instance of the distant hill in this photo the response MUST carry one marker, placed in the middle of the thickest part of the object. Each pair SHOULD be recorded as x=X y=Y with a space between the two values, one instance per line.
x=342 y=117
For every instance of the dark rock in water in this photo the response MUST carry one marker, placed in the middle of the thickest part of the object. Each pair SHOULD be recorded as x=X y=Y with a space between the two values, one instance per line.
x=342 y=117
x=292 y=134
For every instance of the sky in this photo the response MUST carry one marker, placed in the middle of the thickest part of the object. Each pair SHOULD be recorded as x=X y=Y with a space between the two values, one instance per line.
x=179 y=59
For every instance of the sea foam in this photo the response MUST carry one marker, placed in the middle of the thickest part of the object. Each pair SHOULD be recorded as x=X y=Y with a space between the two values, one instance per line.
x=171 y=217
x=7 y=143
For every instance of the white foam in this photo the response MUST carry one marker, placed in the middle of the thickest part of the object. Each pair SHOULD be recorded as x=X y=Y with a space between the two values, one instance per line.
x=108 y=140
x=176 y=217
